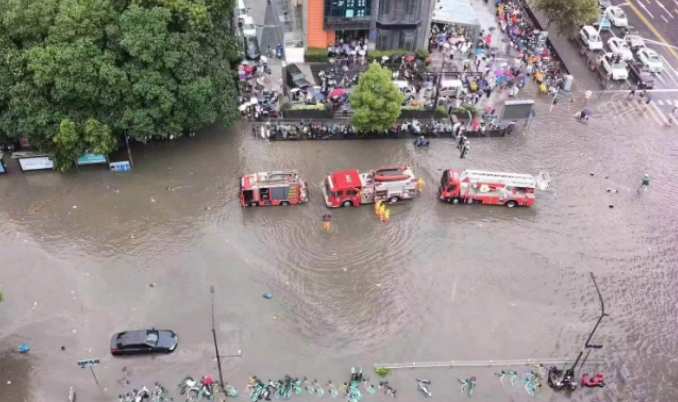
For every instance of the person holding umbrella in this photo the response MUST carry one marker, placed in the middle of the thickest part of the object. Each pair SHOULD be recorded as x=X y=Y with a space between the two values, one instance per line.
x=584 y=114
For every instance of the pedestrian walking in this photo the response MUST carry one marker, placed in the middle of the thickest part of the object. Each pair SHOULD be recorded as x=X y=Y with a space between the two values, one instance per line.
x=632 y=93
x=587 y=96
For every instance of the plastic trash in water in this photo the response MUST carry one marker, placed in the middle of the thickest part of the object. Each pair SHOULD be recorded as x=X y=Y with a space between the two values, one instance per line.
x=23 y=348
x=266 y=295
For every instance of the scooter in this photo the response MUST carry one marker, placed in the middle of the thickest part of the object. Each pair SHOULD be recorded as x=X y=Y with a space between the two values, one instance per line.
x=591 y=382
x=418 y=143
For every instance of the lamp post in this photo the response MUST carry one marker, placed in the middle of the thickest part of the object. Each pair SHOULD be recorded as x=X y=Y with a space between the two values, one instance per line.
x=216 y=346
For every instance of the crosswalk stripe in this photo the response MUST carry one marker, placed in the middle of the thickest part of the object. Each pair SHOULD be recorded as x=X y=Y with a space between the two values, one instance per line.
x=644 y=110
x=660 y=102
x=661 y=114
x=668 y=101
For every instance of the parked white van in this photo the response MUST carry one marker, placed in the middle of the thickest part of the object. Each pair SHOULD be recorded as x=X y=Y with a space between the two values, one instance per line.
x=451 y=88
x=248 y=28
x=240 y=12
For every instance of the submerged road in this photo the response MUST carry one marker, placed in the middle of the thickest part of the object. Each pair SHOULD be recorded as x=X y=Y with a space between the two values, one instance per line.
x=438 y=282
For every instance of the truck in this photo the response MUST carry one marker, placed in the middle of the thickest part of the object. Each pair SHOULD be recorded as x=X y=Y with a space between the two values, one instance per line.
x=484 y=187
x=272 y=188
x=350 y=188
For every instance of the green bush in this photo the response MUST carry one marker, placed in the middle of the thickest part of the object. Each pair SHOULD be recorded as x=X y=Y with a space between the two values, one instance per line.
x=409 y=107
x=441 y=110
x=302 y=106
x=286 y=106
x=378 y=54
x=382 y=371
x=422 y=54
x=315 y=55
x=465 y=109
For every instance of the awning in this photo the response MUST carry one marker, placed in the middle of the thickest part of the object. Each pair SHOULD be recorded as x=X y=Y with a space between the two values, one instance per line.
x=457 y=12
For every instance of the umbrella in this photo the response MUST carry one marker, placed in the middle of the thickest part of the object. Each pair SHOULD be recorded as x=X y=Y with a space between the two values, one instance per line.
x=319 y=96
x=294 y=90
x=498 y=72
x=491 y=29
x=494 y=49
x=245 y=62
x=264 y=59
x=248 y=69
x=586 y=112
x=506 y=40
x=254 y=100
x=362 y=52
x=243 y=107
x=446 y=45
x=409 y=58
x=336 y=92
x=384 y=58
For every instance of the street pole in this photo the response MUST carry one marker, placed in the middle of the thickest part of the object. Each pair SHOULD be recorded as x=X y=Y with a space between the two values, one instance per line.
x=129 y=151
x=95 y=377
x=216 y=346
x=603 y=314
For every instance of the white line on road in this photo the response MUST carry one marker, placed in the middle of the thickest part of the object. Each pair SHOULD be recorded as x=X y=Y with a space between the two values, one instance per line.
x=645 y=8
x=660 y=103
x=662 y=6
x=660 y=78
x=676 y=1
x=454 y=289
x=668 y=101
x=664 y=18
x=661 y=114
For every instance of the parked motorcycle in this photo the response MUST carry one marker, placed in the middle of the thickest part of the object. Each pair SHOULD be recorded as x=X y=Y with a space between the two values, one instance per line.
x=591 y=382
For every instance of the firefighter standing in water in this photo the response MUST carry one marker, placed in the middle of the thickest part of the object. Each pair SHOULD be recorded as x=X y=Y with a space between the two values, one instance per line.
x=646 y=181
x=327 y=218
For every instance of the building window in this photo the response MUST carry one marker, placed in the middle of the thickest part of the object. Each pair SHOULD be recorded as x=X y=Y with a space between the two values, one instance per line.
x=412 y=7
x=347 y=8
x=359 y=13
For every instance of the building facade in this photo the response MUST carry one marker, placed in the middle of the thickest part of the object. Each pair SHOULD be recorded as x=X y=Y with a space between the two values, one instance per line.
x=383 y=24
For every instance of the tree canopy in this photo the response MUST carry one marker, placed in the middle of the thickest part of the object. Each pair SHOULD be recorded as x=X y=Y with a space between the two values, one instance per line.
x=569 y=14
x=77 y=75
x=375 y=100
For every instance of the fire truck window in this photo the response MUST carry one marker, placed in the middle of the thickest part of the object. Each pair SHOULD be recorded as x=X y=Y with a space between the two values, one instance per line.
x=278 y=193
x=247 y=195
x=338 y=193
x=452 y=187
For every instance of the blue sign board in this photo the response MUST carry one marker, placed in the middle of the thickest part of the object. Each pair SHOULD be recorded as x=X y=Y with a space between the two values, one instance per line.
x=88 y=362
x=92 y=159
x=2 y=167
x=120 y=166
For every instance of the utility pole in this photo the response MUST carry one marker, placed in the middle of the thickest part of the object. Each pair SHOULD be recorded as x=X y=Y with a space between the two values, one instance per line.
x=216 y=346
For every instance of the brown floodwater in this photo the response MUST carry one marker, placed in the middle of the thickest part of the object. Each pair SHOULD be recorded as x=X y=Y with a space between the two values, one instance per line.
x=438 y=282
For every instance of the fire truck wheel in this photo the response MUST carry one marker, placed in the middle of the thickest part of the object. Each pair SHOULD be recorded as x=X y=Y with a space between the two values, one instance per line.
x=253 y=204
x=454 y=200
x=511 y=203
x=394 y=199
x=284 y=203
x=347 y=204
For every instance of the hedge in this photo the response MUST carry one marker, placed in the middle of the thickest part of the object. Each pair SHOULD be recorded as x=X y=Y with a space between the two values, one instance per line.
x=315 y=55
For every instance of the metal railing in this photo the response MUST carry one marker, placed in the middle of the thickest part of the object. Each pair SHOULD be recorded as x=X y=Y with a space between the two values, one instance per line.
x=478 y=363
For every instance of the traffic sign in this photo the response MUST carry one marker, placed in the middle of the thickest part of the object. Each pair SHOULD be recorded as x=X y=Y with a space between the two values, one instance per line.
x=88 y=362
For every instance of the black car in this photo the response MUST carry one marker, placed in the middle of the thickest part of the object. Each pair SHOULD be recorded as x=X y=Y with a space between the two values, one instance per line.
x=252 y=51
x=641 y=74
x=143 y=342
x=296 y=78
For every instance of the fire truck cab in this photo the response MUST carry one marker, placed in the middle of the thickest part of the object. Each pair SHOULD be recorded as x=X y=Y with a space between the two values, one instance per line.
x=481 y=187
x=272 y=188
x=352 y=188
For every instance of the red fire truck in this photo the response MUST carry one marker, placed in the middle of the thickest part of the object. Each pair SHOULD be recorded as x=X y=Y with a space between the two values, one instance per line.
x=272 y=188
x=352 y=188
x=493 y=188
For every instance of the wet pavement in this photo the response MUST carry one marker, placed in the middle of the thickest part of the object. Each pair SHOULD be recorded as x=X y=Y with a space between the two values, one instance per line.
x=439 y=282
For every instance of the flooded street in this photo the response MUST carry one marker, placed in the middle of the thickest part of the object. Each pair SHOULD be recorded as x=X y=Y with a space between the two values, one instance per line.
x=438 y=282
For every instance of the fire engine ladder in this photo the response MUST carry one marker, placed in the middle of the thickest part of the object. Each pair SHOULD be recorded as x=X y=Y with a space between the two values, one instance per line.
x=293 y=193
x=479 y=363
x=509 y=179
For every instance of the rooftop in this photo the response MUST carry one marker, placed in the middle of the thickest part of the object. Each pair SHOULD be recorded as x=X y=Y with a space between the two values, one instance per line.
x=459 y=12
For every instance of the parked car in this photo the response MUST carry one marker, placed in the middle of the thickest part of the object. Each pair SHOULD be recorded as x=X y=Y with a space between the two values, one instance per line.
x=617 y=16
x=296 y=78
x=589 y=37
x=641 y=74
x=618 y=46
x=144 y=342
x=635 y=42
x=650 y=59
x=251 y=48
x=248 y=27
x=603 y=22
x=613 y=66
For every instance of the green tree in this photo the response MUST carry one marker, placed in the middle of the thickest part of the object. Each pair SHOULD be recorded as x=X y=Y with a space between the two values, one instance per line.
x=375 y=100
x=76 y=75
x=568 y=15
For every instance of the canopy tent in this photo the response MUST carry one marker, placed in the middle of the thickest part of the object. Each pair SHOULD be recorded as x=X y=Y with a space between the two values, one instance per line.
x=457 y=13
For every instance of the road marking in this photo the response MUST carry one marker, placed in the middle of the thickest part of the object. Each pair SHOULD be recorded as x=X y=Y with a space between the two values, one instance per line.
x=668 y=101
x=654 y=31
x=454 y=289
x=661 y=114
x=664 y=18
x=646 y=10
x=667 y=11
x=660 y=103
x=660 y=78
